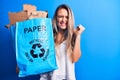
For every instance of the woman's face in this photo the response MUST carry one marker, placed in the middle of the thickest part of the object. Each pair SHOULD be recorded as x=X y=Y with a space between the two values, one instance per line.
x=62 y=18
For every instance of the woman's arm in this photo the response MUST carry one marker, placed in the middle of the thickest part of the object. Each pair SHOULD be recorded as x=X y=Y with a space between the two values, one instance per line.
x=77 y=49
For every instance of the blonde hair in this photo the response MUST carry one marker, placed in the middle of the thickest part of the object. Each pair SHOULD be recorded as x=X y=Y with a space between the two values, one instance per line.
x=70 y=28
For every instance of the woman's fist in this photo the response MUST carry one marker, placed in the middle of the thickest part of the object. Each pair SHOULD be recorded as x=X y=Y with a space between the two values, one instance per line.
x=79 y=30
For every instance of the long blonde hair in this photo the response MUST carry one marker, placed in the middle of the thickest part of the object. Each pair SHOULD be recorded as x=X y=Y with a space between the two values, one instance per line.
x=70 y=27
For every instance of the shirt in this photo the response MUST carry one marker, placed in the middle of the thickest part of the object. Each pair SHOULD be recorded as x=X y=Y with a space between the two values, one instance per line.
x=65 y=66
x=65 y=69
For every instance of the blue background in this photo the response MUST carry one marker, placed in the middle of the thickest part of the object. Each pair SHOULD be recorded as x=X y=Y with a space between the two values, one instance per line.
x=100 y=43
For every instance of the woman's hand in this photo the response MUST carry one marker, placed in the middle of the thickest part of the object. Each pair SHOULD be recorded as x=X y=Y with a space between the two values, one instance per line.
x=17 y=69
x=78 y=31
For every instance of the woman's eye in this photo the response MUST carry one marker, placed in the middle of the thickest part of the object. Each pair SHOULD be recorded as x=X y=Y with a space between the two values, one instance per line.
x=66 y=17
x=63 y=17
x=60 y=16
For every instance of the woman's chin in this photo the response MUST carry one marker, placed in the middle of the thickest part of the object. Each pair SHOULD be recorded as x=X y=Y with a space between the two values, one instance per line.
x=63 y=27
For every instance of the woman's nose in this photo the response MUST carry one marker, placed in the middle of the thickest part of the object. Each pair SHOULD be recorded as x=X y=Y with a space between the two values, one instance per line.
x=64 y=19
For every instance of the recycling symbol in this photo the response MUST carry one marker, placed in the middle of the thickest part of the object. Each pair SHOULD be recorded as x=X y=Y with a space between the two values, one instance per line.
x=41 y=52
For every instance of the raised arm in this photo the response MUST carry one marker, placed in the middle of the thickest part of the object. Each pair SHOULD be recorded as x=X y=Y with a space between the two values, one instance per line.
x=77 y=49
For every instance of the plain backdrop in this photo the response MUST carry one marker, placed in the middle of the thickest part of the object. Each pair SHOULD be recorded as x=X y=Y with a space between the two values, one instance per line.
x=100 y=42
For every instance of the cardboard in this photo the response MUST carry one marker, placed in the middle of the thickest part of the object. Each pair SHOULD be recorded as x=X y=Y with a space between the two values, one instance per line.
x=38 y=14
x=29 y=12
x=29 y=8
x=17 y=16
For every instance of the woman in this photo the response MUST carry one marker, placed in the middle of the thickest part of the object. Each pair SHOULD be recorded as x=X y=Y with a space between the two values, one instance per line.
x=67 y=43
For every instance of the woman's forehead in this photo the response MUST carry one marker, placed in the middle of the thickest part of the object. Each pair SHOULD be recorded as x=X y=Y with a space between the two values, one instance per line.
x=62 y=11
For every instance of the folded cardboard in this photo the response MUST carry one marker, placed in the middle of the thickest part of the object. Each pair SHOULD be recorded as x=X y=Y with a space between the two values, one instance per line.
x=37 y=14
x=17 y=16
x=29 y=12
x=29 y=8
